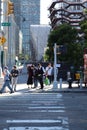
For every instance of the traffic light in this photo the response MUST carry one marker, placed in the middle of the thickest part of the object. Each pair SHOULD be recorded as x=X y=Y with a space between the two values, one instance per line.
x=62 y=49
x=10 y=9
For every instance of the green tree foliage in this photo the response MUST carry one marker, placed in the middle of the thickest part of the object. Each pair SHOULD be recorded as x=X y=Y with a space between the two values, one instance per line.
x=65 y=35
x=83 y=26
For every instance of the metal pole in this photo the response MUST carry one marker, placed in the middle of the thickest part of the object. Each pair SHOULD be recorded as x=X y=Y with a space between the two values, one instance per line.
x=80 y=80
x=60 y=83
x=55 y=84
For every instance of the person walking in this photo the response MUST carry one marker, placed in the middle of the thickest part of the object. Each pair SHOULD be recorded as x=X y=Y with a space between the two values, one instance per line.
x=14 y=79
x=30 y=76
x=49 y=74
x=40 y=73
x=7 y=83
x=35 y=75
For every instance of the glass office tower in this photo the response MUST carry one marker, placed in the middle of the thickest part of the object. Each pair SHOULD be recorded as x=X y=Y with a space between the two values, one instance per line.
x=26 y=12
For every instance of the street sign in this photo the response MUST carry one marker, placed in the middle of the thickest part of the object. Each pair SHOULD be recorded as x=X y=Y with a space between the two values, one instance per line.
x=2 y=40
x=6 y=24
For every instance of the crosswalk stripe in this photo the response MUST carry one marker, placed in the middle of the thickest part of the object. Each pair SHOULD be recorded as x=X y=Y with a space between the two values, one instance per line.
x=33 y=121
x=59 y=107
x=38 y=128
x=18 y=111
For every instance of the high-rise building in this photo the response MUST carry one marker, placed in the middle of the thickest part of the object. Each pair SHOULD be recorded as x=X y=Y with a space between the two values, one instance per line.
x=39 y=37
x=26 y=12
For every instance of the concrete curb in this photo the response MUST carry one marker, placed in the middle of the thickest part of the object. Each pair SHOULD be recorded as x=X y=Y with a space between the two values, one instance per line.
x=72 y=90
x=50 y=89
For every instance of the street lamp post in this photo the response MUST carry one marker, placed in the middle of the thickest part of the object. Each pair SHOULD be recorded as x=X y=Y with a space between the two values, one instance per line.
x=5 y=55
x=55 y=83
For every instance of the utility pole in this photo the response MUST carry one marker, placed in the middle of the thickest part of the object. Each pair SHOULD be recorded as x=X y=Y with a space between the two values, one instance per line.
x=55 y=83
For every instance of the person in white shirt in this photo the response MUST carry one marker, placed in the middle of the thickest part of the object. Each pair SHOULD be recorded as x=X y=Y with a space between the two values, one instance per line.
x=49 y=70
x=6 y=80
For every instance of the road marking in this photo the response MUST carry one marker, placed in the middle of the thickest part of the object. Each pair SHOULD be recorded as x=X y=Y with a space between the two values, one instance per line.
x=33 y=111
x=59 y=107
x=40 y=109
x=38 y=128
x=62 y=120
x=33 y=121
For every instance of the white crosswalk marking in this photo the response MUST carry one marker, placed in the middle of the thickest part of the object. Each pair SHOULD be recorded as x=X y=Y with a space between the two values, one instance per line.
x=49 y=106
x=61 y=120
x=33 y=121
x=37 y=128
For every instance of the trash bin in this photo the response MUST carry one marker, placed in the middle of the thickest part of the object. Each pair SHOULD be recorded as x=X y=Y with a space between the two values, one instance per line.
x=77 y=77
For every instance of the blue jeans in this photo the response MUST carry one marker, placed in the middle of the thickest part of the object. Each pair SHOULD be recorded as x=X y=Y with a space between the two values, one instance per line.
x=6 y=83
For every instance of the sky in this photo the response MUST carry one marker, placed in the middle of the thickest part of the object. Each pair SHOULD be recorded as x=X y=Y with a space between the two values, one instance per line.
x=44 y=11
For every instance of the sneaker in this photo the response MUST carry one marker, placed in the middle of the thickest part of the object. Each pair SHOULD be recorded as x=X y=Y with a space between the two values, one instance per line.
x=40 y=88
x=34 y=87
x=11 y=92
x=14 y=90
x=0 y=92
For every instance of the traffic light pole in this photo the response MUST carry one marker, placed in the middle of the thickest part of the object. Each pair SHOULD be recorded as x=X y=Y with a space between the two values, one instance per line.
x=55 y=83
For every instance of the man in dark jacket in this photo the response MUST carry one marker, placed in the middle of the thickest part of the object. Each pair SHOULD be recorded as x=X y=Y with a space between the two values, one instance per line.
x=14 y=79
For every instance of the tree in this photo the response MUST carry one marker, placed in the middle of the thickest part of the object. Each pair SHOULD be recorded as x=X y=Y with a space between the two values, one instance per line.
x=65 y=35
x=83 y=26
x=68 y=36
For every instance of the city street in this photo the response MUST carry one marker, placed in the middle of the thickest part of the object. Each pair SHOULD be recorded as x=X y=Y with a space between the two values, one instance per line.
x=24 y=110
x=43 y=65
x=34 y=109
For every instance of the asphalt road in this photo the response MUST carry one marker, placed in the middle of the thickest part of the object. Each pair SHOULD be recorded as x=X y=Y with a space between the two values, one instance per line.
x=43 y=111
x=38 y=110
x=76 y=109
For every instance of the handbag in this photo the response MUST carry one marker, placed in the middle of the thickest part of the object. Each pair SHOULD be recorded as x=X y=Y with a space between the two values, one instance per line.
x=46 y=81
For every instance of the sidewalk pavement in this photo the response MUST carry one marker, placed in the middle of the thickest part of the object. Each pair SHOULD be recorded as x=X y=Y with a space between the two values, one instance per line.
x=22 y=88
x=50 y=89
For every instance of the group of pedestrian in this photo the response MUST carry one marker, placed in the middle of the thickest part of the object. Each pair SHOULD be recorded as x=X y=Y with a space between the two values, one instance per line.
x=36 y=74
x=10 y=79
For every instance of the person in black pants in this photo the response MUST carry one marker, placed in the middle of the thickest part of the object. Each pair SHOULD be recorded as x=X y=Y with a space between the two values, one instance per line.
x=30 y=75
x=14 y=75
x=40 y=72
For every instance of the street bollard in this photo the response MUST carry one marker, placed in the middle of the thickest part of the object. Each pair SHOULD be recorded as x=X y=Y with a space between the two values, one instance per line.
x=60 y=83
x=80 y=83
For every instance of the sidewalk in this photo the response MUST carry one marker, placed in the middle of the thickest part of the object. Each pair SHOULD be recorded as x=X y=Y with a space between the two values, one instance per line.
x=49 y=89
x=22 y=86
